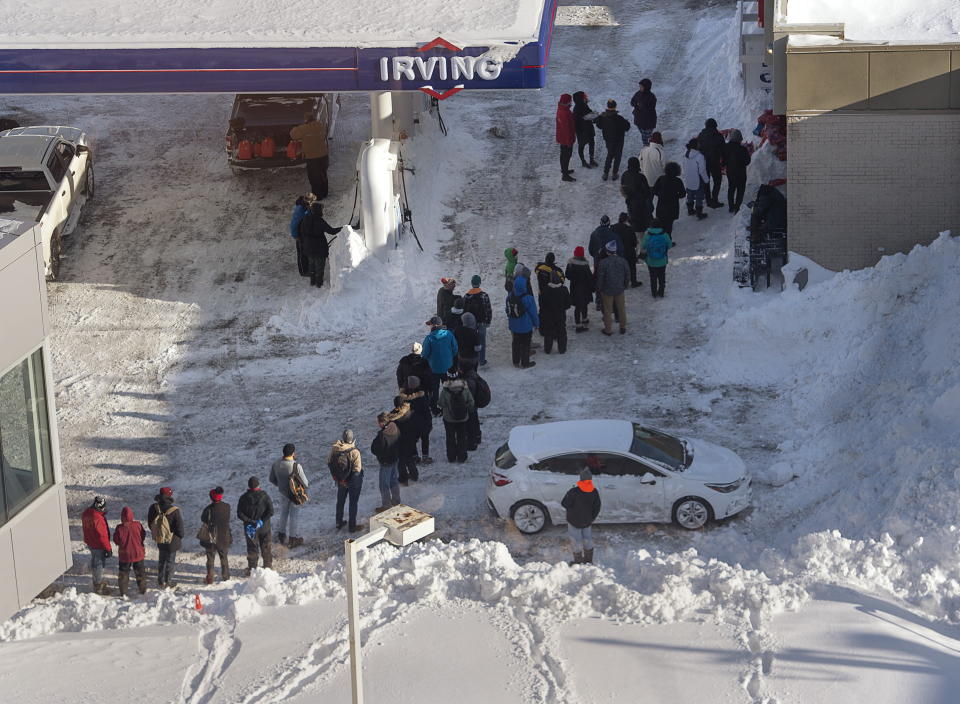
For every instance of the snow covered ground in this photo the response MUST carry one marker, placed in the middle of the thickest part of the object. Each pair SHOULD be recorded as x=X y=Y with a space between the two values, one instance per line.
x=187 y=351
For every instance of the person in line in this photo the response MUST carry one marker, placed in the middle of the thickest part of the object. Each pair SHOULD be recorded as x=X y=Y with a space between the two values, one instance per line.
x=454 y=321
x=312 y=135
x=166 y=526
x=314 y=244
x=283 y=473
x=583 y=506
x=656 y=242
x=545 y=271
x=96 y=536
x=129 y=536
x=468 y=341
x=409 y=429
x=711 y=144
x=581 y=287
x=300 y=209
x=414 y=364
x=439 y=348
x=669 y=191
x=637 y=195
x=254 y=509
x=216 y=517
x=509 y=269
x=628 y=237
x=347 y=470
x=554 y=303
x=522 y=319
x=477 y=302
x=644 y=104
x=480 y=391
x=612 y=280
x=583 y=117
x=695 y=178
x=614 y=127
x=420 y=409
x=445 y=298
x=457 y=404
x=652 y=159
x=386 y=448
x=599 y=239
x=736 y=159
x=566 y=136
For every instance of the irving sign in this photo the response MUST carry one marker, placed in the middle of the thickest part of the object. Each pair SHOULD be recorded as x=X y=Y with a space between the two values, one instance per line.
x=454 y=68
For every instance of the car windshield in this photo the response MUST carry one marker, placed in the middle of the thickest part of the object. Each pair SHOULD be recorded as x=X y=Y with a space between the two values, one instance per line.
x=23 y=181
x=660 y=447
x=504 y=458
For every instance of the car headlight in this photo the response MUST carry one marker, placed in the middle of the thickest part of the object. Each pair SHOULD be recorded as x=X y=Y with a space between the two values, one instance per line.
x=726 y=488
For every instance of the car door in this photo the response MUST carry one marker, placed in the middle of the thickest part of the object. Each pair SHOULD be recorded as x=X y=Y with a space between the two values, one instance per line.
x=57 y=211
x=641 y=490
x=607 y=478
x=553 y=477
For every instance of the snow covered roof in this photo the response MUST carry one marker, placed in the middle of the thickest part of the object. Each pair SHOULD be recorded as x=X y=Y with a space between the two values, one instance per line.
x=932 y=21
x=571 y=435
x=113 y=24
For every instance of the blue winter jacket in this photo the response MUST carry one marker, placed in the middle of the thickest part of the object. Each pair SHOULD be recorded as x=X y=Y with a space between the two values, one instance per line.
x=656 y=234
x=530 y=319
x=299 y=210
x=439 y=348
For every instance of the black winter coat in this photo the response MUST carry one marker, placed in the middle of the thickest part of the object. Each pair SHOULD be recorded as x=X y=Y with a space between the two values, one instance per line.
x=313 y=235
x=581 y=281
x=712 y=146
x=644 y=109
x=254 y=505
x=468 y=342
x=669 y=190
x=445 y=299
x=175 y=519
x=737 y=158
x=217 y=515
x=581 y=122
x=634 y=183
x=414 y=365
x=613 y=126
x=554 y=302
x=419 y=410
x=386 y=447
x=582 y=508
x=628 y=237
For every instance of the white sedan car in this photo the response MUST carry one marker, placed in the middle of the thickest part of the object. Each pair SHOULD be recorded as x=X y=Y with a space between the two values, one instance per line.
x=643 y=475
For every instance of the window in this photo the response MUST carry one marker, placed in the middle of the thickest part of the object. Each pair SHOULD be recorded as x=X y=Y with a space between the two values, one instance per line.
x=26 y=467
x=23 y=181
x=503 y=458
x=562 y=464
x=659 y=447
x=66 y=152
x=57 y=169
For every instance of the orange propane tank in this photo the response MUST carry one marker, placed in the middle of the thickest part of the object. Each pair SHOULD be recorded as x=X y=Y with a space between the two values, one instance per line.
x=256 y=149
x=268 y=148
x=293 y=147
x=245 y=150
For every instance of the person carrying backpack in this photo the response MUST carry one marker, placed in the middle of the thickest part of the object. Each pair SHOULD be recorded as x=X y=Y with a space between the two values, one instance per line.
x=129 y=536
x=346 y=469
x=215 y=519
x=468 y=341
x=313 y=231
x=583 y=506
x=96 y=536
x=254 y=509
x=166 y=526
x=445 y=298
x=386 y=448
x=522 y=318
x=480 y=391
x=439 y=348
x=477 y=302
x=289 y=477
x=456 y=403
x=656 y=242
x=300 y=209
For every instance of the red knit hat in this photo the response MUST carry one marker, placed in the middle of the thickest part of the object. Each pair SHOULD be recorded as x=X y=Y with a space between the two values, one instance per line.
x=566 y=99
x=166 y=491
x=578 y=251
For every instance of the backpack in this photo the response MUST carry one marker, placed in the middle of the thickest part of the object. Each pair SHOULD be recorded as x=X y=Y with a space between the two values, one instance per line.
x=482 y=395
x=474 y=304
x=160 y=527
x=298 y=492
x=459 y=411
x=339 y=466
x=515 y=307
x=657 y=247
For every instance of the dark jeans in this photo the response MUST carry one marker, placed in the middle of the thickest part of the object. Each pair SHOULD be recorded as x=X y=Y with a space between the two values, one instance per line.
x=668 y=226
x=614 y=153
x=316 y=265
x=521 y=348
x=585 y=142
x=317 y=175
x=425 y=442
x=123 y=580
x=658 y=280
x=166 y=561
x=580 y=312
x=565 y=154
x=631 y=257
x=406 y=465
x=456 y=441
x=716 y=176
x=352 y=489
x=212 y=554
x=560 y=338
x=260 y=546
x=735 y=188
x=473 y=431
x=434 y=391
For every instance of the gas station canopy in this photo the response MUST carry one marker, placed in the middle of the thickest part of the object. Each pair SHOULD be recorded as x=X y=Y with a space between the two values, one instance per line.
x=251 y=46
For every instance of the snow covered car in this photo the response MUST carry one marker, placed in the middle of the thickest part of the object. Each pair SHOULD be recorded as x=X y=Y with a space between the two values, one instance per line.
x=643 y=475
x=46 y=176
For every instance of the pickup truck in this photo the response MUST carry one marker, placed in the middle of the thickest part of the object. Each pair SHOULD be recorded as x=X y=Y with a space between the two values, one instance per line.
x=46 y=176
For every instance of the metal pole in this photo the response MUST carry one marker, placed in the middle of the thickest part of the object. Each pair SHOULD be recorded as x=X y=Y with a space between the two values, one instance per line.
x=352 y=549
x=381 y=115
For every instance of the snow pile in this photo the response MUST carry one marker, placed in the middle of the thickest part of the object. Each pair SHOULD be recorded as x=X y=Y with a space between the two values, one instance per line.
x=893 y=20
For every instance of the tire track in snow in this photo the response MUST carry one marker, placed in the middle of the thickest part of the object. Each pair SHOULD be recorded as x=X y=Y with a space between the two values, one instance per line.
x=219 y=647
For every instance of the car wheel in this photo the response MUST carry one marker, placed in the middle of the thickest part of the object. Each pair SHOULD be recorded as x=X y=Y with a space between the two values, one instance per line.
x=529 y=516
x=692 y=513
x=56 y=247
x=90 y=185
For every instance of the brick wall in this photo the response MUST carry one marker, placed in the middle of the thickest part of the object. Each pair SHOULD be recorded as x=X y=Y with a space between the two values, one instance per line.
x=861 y=181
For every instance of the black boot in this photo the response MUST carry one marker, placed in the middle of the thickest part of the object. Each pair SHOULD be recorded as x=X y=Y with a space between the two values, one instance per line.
x=700 y=214
x=577 y=558
x=606 y=175
x=690 y=210
x=567 y=177
x=588 y=555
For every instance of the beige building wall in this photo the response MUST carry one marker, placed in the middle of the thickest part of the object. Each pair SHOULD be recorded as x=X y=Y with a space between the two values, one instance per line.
x=865 y=184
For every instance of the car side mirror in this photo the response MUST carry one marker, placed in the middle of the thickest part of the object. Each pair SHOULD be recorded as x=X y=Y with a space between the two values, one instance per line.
x=648 y=479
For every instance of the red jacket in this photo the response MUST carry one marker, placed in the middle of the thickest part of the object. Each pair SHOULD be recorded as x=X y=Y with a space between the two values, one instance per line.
x=96 y=534
x=566 y=133
x=129 y=536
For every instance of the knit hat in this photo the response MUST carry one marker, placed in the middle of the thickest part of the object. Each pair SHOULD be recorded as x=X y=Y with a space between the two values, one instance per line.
x=566 y=99
x=457 y=306
x=585 y=475
x=735 y=137
x=289 y=449
x=611 y=104
x=450 y=283
x=475 y=281
x=710 y=123
x=657 y=137
x=166 y=491
x=646 y=83
x=550 y=258
x=253 y=483
x=417 y=348
x=469 y=320
x=347 y=436
x=578 y=251
x=413 y=382
x=611 y=246
x=605 y=220
x=99 y=503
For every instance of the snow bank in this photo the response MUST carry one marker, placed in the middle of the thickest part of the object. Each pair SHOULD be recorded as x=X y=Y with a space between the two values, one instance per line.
x=893 y=20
